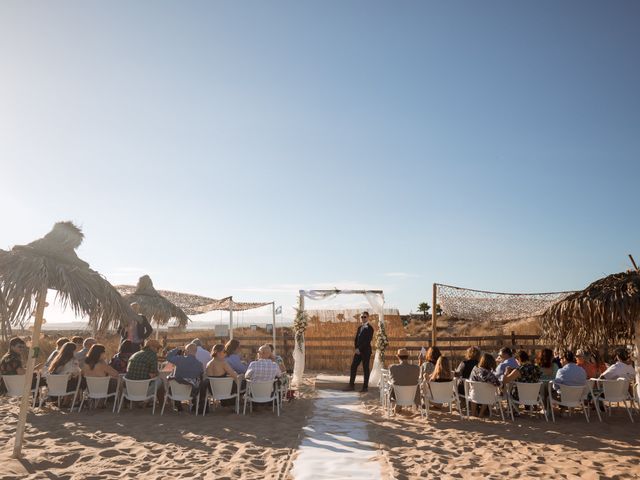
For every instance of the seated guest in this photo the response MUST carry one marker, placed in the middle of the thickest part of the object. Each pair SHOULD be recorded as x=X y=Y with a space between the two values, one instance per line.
x=11 y=362
x=583 y=359
x=119 y=360
x=621 y=369
x=471 y=359
x=403 y=374
x=143 y=364
x=547 y=365
x=570 y=374
x=201 y=354
x=277 y=358
x=65 y=363
x=427 y=367
x=526 y=372
x=232 y=356
x=59 y=344
x=483 y=372
x=218 y=367
x=264 y=369
x=442 y=372
x=188 y=369
x=78 y=341
x=86 y=345
x=505 y=357
x=95 y=365
x=556 y=358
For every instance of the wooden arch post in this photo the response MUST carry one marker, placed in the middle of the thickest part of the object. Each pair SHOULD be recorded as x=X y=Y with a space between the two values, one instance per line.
x=434 y=315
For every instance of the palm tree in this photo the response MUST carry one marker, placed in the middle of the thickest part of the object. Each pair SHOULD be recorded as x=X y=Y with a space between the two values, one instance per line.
x=27 y=272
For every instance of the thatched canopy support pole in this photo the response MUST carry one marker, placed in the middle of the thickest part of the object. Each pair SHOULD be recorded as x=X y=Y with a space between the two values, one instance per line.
x=33 y=352
x=231 y=319
x=434 y=315
x=273 y=312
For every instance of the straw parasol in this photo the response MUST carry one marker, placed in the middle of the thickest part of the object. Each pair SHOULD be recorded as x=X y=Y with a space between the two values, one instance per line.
x=28 y=271
x=154 y=306
x=607 y=311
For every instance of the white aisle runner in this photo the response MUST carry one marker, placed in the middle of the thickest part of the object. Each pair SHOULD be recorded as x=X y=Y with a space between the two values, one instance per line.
x=336 y=444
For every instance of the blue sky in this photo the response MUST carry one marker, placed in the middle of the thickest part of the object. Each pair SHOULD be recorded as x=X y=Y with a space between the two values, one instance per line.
x=255 y=148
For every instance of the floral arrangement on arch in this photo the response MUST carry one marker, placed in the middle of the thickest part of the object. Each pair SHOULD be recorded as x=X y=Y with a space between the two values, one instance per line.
x=382 y=342
x=300 y=324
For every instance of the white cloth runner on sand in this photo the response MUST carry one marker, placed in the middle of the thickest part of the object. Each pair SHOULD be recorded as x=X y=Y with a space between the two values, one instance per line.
x=336 y=443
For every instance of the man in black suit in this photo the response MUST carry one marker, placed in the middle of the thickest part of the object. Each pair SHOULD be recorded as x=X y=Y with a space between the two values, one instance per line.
x=362 y=343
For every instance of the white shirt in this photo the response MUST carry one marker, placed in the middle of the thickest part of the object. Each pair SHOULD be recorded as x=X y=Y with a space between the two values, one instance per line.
x=619 y=370
x=203 y=356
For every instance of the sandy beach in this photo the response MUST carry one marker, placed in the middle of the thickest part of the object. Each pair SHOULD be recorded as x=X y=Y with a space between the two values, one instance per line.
x=97 y=444
x=446 y=447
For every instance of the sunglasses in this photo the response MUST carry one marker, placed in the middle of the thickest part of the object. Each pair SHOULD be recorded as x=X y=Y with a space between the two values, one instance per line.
x=363 y=316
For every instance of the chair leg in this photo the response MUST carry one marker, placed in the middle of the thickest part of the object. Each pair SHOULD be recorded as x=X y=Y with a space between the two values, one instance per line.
x=164 y=404
x=244 y=410
x=198 y=405
x=628 y=411
x=115 y=402
x=121 y=401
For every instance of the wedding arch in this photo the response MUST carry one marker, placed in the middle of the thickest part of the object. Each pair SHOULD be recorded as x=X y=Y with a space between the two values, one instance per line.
x=375 y=299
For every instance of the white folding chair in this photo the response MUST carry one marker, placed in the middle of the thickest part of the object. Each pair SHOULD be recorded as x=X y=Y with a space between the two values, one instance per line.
x=57 y=387
x=261 y=392
x=441 y=393
x=179 y=392
x=529 y=394
x=570 y=397
x=482 y=393
x=98 y=389
x=138 y=391
x=613 y=391
x=15 y=386
x=405 y=396
x=221 y=389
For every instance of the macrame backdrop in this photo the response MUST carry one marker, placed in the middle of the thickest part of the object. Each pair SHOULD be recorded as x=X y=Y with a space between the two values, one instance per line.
x=481 y=305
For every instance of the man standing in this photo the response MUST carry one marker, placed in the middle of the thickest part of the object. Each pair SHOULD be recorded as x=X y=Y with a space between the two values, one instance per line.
x=362 y=344
x=137 y=331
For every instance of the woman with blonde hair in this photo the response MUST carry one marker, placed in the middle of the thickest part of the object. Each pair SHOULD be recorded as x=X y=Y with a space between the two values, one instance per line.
x=471 y=359
x=442 y=371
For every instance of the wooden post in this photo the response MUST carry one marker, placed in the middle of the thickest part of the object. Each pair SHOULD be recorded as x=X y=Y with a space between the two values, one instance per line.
x=634 y=263
x=434 y=315
x=26 y=391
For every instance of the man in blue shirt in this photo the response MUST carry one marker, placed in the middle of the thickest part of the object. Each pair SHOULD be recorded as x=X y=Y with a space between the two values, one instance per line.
x=570 y=374
x=188 y=369
x=506 y=355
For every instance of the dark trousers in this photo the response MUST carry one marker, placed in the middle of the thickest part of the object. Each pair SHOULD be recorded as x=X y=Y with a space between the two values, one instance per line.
x=365 y=358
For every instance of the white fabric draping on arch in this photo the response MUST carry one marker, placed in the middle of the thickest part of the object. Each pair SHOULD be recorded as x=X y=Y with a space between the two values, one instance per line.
x=375 y=299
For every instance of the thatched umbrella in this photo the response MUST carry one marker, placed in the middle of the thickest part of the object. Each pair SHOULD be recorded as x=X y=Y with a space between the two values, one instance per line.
x=606 y=312
x=154 y=306
x=28 y=271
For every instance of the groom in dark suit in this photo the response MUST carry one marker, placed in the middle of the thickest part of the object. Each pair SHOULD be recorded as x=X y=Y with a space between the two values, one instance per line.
x=362 y=344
